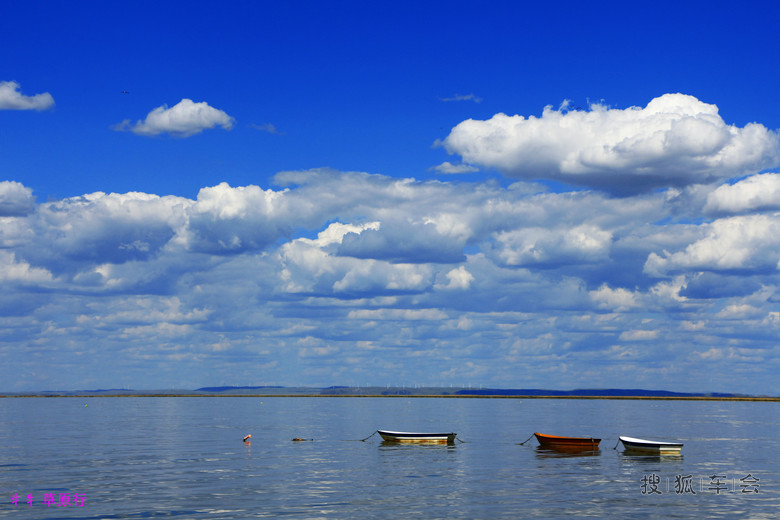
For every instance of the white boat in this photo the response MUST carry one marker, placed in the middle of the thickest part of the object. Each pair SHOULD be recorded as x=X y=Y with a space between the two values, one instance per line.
x=653 y=447
x=418 y=437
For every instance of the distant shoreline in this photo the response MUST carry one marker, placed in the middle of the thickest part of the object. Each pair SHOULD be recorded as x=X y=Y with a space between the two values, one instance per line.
x=417 y=392
x=410 y=396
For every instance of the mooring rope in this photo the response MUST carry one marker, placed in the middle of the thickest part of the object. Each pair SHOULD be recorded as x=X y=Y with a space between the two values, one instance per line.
x=528 y=439
x=364 y=440
x=616 y=444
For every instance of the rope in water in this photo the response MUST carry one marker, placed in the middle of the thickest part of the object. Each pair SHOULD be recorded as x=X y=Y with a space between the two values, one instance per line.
x=528 y=439
x=364 y=440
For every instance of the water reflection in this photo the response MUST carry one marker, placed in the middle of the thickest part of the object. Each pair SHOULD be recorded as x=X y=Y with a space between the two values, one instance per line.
x=645 y=458
x=565 y=451
x=391 y=445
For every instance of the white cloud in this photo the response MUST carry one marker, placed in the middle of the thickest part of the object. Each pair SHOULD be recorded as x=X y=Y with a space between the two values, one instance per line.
x=528 y=246
x=398 y=314
x=12 y=270
x=676 y=140
x=141 y=310
x=15 y=199
x=667 y=293
x=310 y=268
x=740 y=311
x=230 y=220
x=453 y=169
x=737 y=243
x=757 y=192
x=116 y=228
x=335 y=233
x=638 y=335
x=12 y=99
x=184 y=119
x=458 y=278
x=16 y=232
x=614 y=299
x=370 y=276
x=404 y=241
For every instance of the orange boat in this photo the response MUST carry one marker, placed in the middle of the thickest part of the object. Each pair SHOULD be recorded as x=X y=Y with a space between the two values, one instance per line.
x=556 y=442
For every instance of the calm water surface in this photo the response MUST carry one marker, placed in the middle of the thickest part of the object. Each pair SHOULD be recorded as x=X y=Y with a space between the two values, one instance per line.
x=183 y=457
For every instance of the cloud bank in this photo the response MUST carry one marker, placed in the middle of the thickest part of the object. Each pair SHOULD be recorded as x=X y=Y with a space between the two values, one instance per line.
x=409 y=283
x=332 y=277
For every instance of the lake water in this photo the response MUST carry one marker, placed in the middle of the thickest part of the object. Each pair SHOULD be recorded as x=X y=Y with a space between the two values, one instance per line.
x=183 y=457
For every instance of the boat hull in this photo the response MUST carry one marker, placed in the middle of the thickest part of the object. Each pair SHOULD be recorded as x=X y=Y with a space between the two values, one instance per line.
x=650 y=447
x=417 y=437
x=561 y=443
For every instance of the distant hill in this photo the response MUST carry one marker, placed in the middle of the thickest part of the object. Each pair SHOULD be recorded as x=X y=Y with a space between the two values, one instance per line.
x=391 y=391
x=231 y=388
x=598 y=392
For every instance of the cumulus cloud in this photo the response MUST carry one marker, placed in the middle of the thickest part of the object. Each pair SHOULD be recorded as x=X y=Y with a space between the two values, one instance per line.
x=542 y=246
x=184 y=119
x=458 y=278
x=16 y=231
x=230 y=220
x=13 y=270
x=757 y=192
x=619 y=299
x=675 y=141
x=12 y=99
x=101 y=228
x=404 y=241
x=732 y=244
x=15 y=199
x=372 y=277
x=309 y=267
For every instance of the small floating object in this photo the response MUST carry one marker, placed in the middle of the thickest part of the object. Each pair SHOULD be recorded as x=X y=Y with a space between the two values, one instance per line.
x=298 y=439
x=557 y=442
x=247 y=438
x=419 y=437
x=633 y=445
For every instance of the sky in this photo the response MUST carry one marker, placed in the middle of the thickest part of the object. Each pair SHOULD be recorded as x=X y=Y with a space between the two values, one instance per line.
x=495 y=194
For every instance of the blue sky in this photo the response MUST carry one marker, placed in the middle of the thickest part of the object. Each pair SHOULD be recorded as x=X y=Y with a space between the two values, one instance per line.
x=502 y=194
